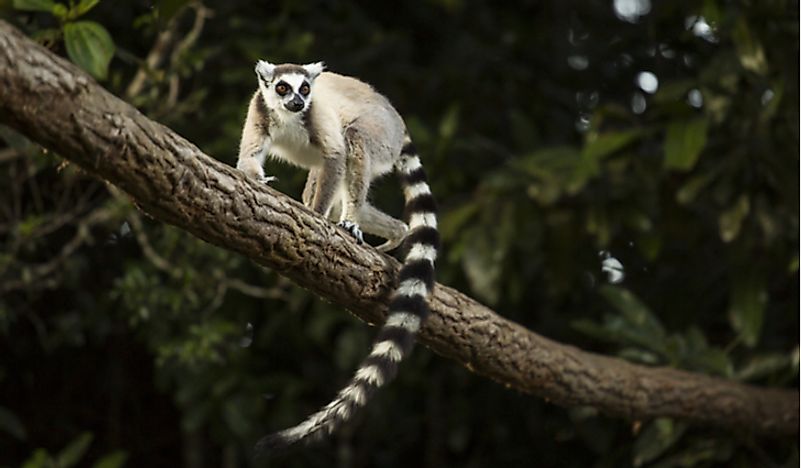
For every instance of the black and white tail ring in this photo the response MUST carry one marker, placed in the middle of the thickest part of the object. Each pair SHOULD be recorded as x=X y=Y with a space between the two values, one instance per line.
x=408 y=309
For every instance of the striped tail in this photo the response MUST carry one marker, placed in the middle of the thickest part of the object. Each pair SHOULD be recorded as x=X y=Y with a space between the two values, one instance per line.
x=407 y=311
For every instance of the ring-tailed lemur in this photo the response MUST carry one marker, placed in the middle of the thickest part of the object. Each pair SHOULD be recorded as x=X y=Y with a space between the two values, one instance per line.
x=346 y=134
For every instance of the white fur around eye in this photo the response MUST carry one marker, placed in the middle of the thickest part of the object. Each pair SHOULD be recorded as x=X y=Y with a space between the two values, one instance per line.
x=294 y=80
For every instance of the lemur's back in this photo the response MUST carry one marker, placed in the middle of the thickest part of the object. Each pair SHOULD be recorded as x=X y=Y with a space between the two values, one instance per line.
x=358 y=104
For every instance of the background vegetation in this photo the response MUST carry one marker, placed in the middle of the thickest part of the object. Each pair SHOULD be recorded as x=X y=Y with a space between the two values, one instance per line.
x=620 y=175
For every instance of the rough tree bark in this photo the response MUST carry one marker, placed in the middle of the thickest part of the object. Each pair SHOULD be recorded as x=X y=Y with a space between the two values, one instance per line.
x=57 y=105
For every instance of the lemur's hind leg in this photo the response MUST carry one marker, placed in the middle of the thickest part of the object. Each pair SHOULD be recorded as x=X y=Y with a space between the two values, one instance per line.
x=308 y=195
x=331 y=175
x=353 y=211
x=357 y=182
x=310 y=187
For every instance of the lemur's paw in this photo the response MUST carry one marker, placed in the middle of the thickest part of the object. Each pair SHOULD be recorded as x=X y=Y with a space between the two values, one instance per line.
x=353 y=229
x=267 y=179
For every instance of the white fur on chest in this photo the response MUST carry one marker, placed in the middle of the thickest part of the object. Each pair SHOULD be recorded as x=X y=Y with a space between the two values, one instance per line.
x=291 y=143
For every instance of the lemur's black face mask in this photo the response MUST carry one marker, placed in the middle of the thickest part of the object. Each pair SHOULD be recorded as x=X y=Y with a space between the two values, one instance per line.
x=296 y=104
x=293 y=101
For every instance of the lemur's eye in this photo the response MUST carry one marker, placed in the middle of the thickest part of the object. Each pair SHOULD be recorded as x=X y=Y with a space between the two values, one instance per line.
x=281 y=88
x=304 y=89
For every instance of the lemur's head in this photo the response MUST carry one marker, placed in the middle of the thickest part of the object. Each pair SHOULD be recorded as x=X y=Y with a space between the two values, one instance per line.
x=287 y=87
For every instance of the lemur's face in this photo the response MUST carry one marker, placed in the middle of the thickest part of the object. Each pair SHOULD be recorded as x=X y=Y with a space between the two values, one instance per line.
x=287 y=87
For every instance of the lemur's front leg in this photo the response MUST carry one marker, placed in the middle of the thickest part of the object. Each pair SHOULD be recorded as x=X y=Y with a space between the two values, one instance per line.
x=255 y=143
x=328 y=182
x=357 y=182
x=311 y=186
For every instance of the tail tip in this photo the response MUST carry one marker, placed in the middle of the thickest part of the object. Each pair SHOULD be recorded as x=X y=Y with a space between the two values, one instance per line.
x=272 y=445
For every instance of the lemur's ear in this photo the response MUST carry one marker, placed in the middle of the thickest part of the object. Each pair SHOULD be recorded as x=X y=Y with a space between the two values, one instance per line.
x=265 y=69
x=314 y=69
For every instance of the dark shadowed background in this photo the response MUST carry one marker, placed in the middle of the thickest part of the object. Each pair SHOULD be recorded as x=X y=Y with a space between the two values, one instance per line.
x=619 y=175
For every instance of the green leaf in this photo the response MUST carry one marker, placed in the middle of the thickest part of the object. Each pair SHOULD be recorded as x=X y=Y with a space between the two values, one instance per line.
x=749 y=49
x=39 y=459
x=456 y=219
x=73 y=452
x=639 y=355
x=650 y=244
x=17 y=140
x=482 y=270
x=113 y=460
x=486 y=251
x=608 y=143
x=419 y=131
x=747 y=305
x=89 y=45
x=82 y=8
x=763 y=366
x=449 y=123
x=60 y=11
x=594 y=330
x=34 y=5
x=641 y=325
x=657 y=437
x=547 y=161
x=548 y=170
x=684 y=142
x=673 y=91
x=690 y=190
x=596 y=148
x=710 y=361
x=717 y=106
x=168 y=8
x=634 y=310
x=47 y=35
x=711 y=12
x=28 y=226
x=731 y=220
x=10 y=424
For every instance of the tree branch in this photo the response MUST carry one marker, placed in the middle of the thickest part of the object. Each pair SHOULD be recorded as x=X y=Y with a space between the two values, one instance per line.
x=60 y=107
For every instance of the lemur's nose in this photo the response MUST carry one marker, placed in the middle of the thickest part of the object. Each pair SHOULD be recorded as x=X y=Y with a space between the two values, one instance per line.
x=295 y=104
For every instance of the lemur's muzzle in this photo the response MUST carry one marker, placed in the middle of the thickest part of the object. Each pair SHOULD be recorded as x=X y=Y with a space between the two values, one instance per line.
x=295 y=105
